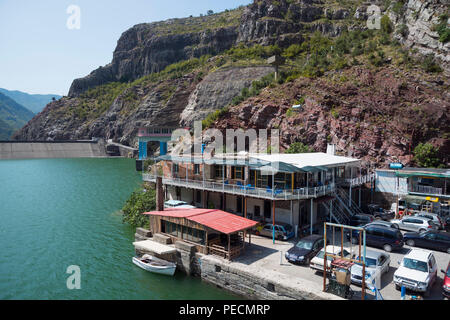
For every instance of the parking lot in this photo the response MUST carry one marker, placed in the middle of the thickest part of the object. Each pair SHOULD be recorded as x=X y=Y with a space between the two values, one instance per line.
x=272 y=258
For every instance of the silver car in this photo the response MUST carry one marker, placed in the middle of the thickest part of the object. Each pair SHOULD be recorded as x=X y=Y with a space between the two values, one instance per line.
x=415 y=224
x=432 y=216
x=377 y=263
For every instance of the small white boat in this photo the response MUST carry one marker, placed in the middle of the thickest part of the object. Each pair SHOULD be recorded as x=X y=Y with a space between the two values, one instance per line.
x=153 y=264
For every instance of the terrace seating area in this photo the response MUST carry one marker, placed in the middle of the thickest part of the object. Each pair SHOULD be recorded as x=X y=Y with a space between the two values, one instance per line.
x=238 y=188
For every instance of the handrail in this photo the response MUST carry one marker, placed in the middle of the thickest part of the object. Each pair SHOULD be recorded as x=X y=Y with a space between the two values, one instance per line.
x=301 y=193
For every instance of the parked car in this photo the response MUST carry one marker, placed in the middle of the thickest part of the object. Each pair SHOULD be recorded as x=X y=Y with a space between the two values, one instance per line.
x=361 y=220
x=432 y=240
x=447 y=223
x=376 y=263
x=305 y=249
x=417 y=271
x=386 y=224
x=446 y=284
x=432 y=216
x=379 y=213
x=416 y=224
x=170 y=204
x=377 y=223
x=317 y=262
x=283 y=231
x=388 y=239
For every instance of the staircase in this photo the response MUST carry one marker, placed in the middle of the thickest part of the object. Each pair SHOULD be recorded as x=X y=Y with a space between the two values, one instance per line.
x=342 y=212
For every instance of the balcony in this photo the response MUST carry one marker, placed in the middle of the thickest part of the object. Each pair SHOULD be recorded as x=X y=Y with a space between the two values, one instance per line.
x=356 y=182
x=248 y=191
x=428 y=190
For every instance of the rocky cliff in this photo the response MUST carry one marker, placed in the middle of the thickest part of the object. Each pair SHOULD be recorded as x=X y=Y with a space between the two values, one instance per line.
x=177 y=71
x=375 y=115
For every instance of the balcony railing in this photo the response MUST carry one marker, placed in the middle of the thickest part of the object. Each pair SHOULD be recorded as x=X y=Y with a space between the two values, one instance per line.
x=250 y=191
x=427 y=190
x=358 y=181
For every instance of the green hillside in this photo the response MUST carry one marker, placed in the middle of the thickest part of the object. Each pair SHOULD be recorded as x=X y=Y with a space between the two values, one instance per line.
x=33 y=102
x=13 y=116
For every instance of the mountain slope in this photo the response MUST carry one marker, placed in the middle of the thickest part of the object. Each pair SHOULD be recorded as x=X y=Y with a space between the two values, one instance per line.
x=33 y=102
x=13 y=116
x=181 y=70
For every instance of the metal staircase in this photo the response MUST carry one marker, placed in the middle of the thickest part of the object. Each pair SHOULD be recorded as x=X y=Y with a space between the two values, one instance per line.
x=337 y=214
x=341 y=211
x=350 y=205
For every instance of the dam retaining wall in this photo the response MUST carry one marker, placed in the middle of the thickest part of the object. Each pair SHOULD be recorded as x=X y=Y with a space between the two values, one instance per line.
x=11 y=150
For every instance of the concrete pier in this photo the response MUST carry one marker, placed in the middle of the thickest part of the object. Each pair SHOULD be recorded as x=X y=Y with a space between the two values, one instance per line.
x=245 y=277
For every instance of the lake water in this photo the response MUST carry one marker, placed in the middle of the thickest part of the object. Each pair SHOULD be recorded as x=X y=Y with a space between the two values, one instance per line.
x=62 y=212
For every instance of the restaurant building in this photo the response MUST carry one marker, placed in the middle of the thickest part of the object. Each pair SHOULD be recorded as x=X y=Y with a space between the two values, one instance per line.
x=298 y=189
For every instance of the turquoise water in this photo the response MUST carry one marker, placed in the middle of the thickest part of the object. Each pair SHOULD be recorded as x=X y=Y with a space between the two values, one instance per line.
x=62 y=212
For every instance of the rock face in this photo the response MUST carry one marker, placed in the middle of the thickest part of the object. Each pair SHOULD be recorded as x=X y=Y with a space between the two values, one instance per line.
x=419 y=16
x=376 y=116
x=223 y=85
x=378 y=121
x=150 y=47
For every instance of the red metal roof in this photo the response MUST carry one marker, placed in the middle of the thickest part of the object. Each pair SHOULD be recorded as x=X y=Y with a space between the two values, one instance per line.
x=178 y=213
x=218 y=220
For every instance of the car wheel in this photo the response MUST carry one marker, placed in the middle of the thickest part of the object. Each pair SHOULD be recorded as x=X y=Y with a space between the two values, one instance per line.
x=307 y=261
x=280 y=238
x=422 y=230
x=397 y=287
x=410 y=243
x=387 y=248
x=448 y=250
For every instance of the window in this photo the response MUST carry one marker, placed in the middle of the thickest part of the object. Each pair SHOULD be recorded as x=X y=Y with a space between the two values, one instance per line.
x=219 y=172
x=196 y=169
x=238 y=173
x=175 y=167
x=378 y=232
x=199 y=196
x=430 y=236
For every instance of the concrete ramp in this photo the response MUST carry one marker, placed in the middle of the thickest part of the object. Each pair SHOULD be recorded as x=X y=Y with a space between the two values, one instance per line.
x=10 y=150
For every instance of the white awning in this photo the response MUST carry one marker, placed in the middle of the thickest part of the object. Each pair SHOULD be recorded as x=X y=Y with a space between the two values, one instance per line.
x=155 y=247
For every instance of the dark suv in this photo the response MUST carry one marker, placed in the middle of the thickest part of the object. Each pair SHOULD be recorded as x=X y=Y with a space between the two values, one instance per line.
x=379 y=213
x=380 y=237
x=360 y=220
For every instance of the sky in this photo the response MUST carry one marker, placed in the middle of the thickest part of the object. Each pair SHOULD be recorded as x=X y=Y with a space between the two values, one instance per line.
x=42 y=51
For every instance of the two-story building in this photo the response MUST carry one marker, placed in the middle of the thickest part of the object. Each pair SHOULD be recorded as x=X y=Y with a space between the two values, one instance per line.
x=298 y=189
x=415 y=185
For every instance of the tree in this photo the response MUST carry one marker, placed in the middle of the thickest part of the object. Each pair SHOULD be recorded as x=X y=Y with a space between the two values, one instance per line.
x=299 y=147
x=139 y=202
x=426 y=155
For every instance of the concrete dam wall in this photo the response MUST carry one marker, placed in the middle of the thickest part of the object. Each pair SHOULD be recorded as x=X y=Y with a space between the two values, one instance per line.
x=49 y=150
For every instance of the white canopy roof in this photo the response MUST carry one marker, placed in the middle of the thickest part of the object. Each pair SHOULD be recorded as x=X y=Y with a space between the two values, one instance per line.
x=155 y=247
x=302 y=160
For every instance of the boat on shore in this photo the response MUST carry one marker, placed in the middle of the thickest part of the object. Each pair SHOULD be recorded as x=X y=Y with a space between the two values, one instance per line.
x=155 y=265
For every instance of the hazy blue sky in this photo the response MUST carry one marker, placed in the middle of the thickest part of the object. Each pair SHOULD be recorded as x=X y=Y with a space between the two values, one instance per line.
x=40 y=54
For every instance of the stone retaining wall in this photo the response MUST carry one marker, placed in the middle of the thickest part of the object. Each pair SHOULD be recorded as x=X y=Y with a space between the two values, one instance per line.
x=240 y=279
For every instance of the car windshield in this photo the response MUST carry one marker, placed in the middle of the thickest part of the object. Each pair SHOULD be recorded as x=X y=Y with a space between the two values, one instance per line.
x=329 y=258
x=415 y=264
x=369 y=262
x=304 y=245
x=321 y=254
